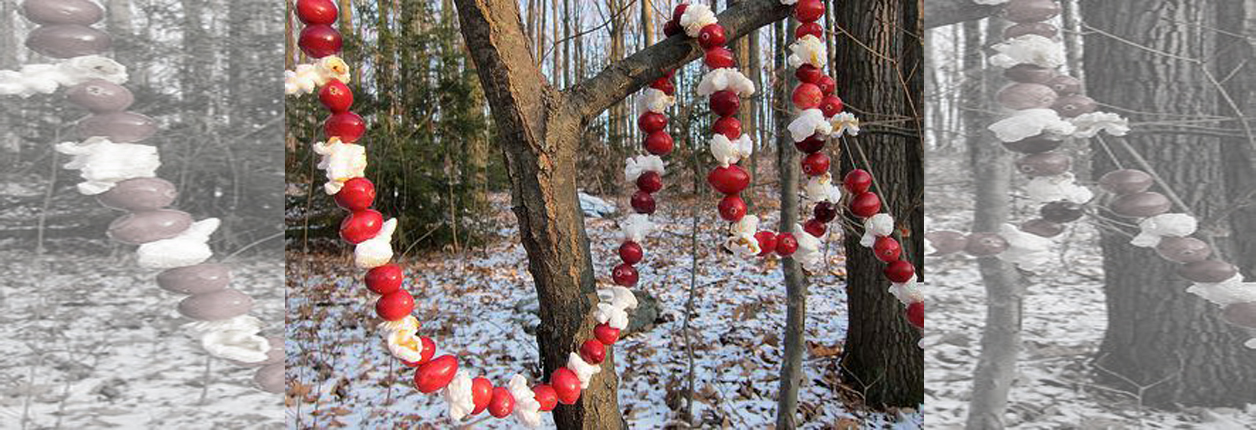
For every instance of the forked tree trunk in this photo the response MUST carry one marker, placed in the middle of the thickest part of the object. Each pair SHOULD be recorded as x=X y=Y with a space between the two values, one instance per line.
x=1159 y=337
x=538 y=130
x=880 y=80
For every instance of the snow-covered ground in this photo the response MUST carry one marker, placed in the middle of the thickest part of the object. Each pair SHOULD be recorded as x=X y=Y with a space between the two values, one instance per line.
x=90 y=341
x=340 y=374
x=1064 y=319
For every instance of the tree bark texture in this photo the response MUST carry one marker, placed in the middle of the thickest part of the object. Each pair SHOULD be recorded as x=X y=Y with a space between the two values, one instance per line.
x=538 y=130
x=1165 y=340
x=992 y=169
x=881 y=82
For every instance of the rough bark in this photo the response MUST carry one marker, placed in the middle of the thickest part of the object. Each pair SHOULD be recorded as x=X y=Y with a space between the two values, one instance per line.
x=881 y=82
x=992 y=169
x=538 y=130
x=938 y=13
x=1162 y=339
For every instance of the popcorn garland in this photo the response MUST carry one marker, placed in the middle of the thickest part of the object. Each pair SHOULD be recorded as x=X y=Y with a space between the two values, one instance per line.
x=344 y=163
x=122 y=174
x=1047 y=107
x=820 y=118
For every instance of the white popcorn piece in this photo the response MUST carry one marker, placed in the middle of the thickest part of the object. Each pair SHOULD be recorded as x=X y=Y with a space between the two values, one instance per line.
x=844 y=123
x=789 y=2
x=1090 y=124
x=1155 y=228
x=635 y=227
x=1227 y=292
x=808 y=50
x=1251 y=343
x=47 y=78
x=725 y=79
x=1062 y=187
x=696 y=16
x=821 y=189
x=618 y=296
x=187 y=249
x=1025 y=250
x=636 y=166
x=610 y=315
x=341 y=162
x=408 y=323
x=527 y=408
x=808 y=254
x=404 y=342
x=881 y=224
x=376 y=251
x=654 y=100
x=1029 y=49
x=1028 y=123
x=908 y=292
x=458 y=397
x=742 y=241
x=584 y=371
x=242 y=346
x=990 y=2
x=808 y=123
x=241 y=323
x=727 y=152
x=103 y=163
x=308 y=77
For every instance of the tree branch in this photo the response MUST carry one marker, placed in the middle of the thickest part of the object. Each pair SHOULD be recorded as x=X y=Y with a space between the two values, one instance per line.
x=594 y=95
x=946 y=12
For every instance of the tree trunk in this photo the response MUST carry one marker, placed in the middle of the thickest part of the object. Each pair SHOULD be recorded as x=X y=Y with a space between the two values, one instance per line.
x=992 y=170
x=881 y=82
x=539 y=129
x=1156 y=332
x=795 y=282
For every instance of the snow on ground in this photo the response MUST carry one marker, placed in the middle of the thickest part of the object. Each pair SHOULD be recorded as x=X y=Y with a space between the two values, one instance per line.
x=343 y=376
x=1064 y=320
x=90 y=341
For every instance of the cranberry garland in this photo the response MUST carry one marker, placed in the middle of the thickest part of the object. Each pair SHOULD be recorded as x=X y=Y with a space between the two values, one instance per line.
x=345 y=161
x=122 y=175
x=1036 y=86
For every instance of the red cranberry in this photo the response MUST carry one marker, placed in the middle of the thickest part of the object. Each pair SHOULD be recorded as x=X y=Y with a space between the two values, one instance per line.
x=546 y=396
x=659 y=143
x=916 y=314
x=384 y=280
x=436 y=374
x=357 y=194
x=651 y=122
x=650 y=182
x=815 y=228
x=711 y=36
x=315 y=12
x=857 y=181
x=336 y=96
x=808 y=74
x=887 y=249
x=719 y=58
x=319 y=41
x=811 y=144
x=631 y=252
x=809 y=10
x=672 y=28
x=729 y=180
x=767 y=242
x=679 y=11
x=481 y=394
x=665 y=85
x=624 y=275
x=725 y=103
x=865 y=205
x=831 y=105
x=728 y=126
x=361 y=225
x=900 y=271
x=605 y=334
x=593 y=351
x=807 y=96
x=825 y=212
x=502 y=403
x=566 y=385
x=827 y=85
x=732 y=208
x=348 y=126
x=809 y=29
x=395 y=305
x=786 y=244
x=642 y=202
x=815 y=164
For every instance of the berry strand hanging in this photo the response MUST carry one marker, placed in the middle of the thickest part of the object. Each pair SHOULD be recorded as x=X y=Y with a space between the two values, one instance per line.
x=121 y=172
